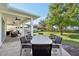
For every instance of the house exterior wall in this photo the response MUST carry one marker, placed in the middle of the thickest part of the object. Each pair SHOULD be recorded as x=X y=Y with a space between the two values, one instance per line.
x=0 y=29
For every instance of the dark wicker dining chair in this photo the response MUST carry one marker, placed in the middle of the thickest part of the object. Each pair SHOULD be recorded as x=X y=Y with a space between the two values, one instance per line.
x=24 y=44
x=40 y=33
x=52 y=37
x=28 y=37
x=57 y=44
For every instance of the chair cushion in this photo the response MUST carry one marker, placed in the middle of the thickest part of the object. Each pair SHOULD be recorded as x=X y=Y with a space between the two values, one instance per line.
x=27 y=45
x=24 y=40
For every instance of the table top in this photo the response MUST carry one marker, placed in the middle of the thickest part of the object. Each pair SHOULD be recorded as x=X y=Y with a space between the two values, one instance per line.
x=41 y=39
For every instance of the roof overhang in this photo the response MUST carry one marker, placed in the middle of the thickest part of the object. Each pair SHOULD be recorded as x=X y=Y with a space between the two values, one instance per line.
x=16 y=12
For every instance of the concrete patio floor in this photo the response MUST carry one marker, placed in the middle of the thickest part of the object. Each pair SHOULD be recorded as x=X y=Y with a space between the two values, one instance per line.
x=11 y=47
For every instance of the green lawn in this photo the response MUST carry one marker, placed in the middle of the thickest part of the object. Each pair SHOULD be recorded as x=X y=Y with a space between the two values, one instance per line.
x=68 y=38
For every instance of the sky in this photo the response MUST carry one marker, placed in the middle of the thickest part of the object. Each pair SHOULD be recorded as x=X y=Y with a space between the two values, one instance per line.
x=40 y=9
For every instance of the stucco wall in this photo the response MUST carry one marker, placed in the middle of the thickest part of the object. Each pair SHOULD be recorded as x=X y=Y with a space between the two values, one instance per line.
x=0 y=29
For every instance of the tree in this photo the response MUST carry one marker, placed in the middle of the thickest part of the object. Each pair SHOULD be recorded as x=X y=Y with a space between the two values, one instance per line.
x=63 y=15
x=42 y=25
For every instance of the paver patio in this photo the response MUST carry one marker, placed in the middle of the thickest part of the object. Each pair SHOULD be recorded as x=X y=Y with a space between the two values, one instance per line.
x=11 y=47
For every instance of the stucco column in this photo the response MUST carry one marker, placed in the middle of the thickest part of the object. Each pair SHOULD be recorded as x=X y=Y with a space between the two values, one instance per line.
x=23 y=29
x=0 y=29
x=31 y=23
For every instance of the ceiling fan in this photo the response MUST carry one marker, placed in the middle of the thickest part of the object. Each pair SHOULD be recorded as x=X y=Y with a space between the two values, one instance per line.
x=17 y=18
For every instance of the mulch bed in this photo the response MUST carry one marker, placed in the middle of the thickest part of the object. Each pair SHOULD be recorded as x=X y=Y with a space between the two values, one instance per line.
x=72 y=50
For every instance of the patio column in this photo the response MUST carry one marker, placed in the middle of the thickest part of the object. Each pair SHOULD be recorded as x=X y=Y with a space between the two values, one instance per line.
x=31 y=23
x=23 y=29
x=18 y=28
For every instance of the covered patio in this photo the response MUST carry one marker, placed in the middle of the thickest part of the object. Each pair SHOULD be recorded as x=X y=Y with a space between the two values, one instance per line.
x=12 y=19
x=11 y=46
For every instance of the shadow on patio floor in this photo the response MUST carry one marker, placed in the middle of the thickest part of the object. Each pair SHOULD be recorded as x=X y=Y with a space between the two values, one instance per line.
x=72 y=50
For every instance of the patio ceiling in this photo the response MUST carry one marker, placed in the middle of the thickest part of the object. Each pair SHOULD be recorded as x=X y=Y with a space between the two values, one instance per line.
x=15 y=20
x=11 y=13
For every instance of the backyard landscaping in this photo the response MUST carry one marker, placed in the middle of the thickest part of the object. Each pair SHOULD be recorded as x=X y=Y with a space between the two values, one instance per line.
x=63 y=21
x=68 y=38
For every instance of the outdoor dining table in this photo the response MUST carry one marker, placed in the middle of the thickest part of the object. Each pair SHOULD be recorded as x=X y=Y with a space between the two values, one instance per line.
x=41 y=45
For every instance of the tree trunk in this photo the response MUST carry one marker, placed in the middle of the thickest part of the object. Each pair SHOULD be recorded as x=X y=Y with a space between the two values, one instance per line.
x=61 y=30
